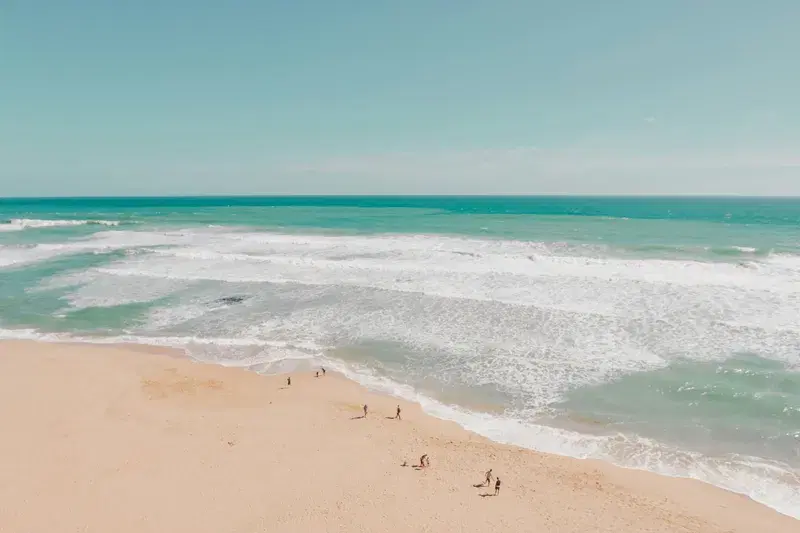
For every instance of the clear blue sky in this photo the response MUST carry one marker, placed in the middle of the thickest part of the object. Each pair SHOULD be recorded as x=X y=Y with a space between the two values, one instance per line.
x=412 y=96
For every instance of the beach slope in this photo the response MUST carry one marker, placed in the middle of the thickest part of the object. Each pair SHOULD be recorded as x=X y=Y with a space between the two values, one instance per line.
x=131 y=439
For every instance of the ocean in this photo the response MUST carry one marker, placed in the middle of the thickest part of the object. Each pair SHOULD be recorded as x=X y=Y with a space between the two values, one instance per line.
x=655 y=333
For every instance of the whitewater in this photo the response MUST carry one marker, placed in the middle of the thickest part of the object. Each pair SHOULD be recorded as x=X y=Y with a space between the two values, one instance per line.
x=19 y=224
x=615 y=331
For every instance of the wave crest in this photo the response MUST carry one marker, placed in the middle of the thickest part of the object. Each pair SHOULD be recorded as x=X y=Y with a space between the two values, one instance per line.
x=20 y=224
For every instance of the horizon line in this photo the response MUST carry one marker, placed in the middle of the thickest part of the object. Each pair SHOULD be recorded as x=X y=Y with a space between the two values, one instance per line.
x=409 y=195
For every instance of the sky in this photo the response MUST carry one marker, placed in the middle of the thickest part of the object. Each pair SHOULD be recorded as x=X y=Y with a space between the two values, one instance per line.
x=163 y=97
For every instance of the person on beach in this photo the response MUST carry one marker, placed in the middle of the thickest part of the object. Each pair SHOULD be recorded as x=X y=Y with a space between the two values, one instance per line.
x=424 y=461
x=365 y=410
x=317 y=374
x=397 y=416
x=288 y=381
x=323 y=371
x=489 y=477
x=497 y=487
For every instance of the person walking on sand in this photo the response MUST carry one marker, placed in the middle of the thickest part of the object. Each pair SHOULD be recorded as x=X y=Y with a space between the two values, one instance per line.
x=489 y=478
x=497 y=487
x=365 y=410
x=323 y=371
x=397 y=416
x=289 y=381
x=424 y=461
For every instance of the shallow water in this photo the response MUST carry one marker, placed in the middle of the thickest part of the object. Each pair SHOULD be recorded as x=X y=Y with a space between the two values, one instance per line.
x=746 y=405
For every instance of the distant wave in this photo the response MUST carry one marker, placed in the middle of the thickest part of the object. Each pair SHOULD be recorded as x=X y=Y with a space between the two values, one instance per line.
x=698 y=252
x=19 y=224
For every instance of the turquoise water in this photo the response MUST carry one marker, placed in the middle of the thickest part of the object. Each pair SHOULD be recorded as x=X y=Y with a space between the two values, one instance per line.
x=657 y=333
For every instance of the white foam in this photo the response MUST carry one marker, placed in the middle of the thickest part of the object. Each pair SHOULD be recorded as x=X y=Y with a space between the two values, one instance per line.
x=527 y=274
x=414 y=256
x=11 y=256
x=470 y=302
x=417 y=255
x=19 y=224
x=182 y=342
x=91 y=288
x=464 y=296
x=101 y=242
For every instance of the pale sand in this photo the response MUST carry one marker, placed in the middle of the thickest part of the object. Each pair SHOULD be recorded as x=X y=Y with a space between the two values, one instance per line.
x=117 y=439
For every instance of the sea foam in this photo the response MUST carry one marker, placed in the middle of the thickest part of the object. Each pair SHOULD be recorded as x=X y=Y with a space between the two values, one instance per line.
x=19 y=224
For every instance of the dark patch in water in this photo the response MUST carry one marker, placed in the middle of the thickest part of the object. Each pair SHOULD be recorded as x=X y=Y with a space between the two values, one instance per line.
x=231 y=300
x=468 y=254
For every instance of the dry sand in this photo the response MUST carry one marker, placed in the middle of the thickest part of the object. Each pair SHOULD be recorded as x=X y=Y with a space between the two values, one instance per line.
x=122 y=439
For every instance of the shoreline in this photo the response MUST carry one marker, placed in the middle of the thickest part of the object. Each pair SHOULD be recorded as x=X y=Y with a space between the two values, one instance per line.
x=689 y=465
x=143 y=438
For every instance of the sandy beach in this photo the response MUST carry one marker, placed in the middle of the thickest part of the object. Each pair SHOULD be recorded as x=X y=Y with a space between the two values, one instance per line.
x=134 y=439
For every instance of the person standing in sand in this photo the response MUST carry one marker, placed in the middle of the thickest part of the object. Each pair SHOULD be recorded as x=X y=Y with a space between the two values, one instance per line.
x=289 y=381
x=424 y=461
x=489 y=478
x=397 y=416
x=497 y=487
x=323 y=371
x=365 y=410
